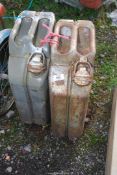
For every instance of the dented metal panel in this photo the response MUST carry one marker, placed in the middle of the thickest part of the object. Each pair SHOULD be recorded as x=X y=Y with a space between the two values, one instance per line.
x=28 y=65
x=71 y=75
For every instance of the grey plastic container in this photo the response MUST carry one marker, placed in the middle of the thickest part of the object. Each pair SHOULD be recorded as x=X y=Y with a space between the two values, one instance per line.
x=28 y=66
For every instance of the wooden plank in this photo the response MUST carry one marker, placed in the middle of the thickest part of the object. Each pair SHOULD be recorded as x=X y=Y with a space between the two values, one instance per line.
x=111 y=161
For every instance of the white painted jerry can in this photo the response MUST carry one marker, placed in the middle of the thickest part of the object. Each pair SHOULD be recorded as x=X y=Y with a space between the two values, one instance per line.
x=28 y=66
x=71 y=76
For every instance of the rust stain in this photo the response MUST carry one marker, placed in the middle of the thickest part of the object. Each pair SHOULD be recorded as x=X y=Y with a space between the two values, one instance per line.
x=83 y=40
x=83 y=73
x=64 y=45
x=60 y=82
x=77 y=114
x=58 y=114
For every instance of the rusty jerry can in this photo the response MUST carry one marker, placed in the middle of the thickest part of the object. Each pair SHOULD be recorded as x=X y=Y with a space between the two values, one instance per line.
x=70 y=77
x=28 y=66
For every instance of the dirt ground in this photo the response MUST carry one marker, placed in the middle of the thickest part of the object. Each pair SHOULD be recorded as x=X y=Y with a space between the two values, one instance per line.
x=33 y=150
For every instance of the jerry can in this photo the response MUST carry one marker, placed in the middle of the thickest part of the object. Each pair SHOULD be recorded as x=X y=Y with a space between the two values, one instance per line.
x=71 y=76
x=28 y=66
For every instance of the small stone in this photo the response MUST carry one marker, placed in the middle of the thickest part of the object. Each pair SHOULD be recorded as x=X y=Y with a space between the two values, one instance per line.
x=9 y=148
x=27 y=148
x=87 y=119
x=57 y=148
x=48 y=165
x=50 y=154
x=101 y=126
x=2 y=131
x=102 y=62
x=8 y=130
x=9 y=169
x=87 y=164
x=45 y=138
x=102 y=26
x=77 y=158
x=10 y=114
x=102 y=55
x=7 y=157
x=94 y=82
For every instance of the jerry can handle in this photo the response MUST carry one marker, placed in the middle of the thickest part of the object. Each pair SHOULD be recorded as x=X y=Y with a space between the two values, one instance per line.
x=82 y=73
x=16 y=28
x=37 y=63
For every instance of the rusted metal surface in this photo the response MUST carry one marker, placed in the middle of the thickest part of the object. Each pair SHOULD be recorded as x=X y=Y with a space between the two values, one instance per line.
x=83 y=40
x=71 y=75
x=83 y=75
x=29 y=64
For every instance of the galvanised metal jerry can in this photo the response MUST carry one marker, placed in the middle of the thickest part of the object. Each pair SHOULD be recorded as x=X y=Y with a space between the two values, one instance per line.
x=28 y=65
x=71 y=76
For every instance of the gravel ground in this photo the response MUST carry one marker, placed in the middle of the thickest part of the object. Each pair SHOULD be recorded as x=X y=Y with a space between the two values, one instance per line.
x=32 y=150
